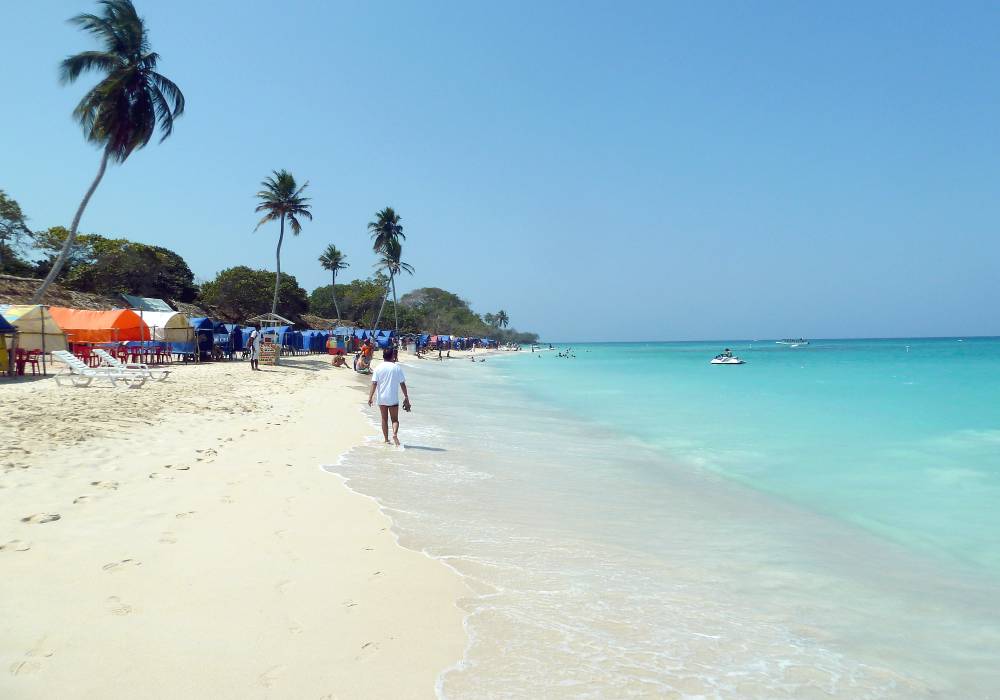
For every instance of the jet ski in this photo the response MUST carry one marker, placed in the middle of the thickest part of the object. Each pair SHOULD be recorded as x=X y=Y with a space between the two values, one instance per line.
x=724 y=360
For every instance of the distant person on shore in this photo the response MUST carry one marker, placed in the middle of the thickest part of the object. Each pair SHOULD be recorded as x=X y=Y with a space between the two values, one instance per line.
x=387 y=380
x=254 y=345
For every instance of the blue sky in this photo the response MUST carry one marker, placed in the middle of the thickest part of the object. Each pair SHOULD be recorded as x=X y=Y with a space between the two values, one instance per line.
x=600 y=170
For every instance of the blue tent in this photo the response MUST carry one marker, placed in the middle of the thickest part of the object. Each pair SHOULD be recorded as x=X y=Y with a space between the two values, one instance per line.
x=424 y=339
x=383 y=338
x=5 y=327
x=205 y=330
x=236 y=335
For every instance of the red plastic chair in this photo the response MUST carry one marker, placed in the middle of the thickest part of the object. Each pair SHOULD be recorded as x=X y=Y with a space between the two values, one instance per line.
x=31 y=358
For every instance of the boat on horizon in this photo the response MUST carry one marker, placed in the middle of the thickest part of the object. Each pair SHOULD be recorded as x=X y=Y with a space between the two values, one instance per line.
x=791 y=341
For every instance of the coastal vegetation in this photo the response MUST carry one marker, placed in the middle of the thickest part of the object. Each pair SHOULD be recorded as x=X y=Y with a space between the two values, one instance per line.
x=281 y=200
x=123 y=111
x=240 y=292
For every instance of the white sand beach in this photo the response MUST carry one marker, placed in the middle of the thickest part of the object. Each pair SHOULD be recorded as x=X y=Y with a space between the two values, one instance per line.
x=180 y=540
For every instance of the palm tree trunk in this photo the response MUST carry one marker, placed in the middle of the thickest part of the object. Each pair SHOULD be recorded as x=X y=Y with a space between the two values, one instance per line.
x=277 y=274
x=395 y=304
x=333 y=292
x=57 y=266
x=381 y=308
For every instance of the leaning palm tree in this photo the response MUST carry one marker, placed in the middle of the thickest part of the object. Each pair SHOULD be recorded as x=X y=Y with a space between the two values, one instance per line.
x=391 y=262
x=282 y=199
x=334 y=260
x=502 y=319
x=120 y=114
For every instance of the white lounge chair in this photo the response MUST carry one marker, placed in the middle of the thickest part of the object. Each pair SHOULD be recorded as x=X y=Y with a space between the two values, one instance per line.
x=80 y=374
x=109 y=360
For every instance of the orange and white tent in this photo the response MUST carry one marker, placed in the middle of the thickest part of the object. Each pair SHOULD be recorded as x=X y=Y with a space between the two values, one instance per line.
x=99 y=326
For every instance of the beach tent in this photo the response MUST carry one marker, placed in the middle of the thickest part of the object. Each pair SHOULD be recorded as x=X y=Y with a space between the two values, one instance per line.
x=82 y=326
x=36 y=328
x=5 y=327
x=7 y=332
x=237 y=336
x=204 y=328
x=168 y=326
x=146 y=304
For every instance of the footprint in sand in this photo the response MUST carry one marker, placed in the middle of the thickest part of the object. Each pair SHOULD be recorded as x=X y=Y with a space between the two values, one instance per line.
x=157 y=475
x=280 y=586
x=41 y=518
x=179 y=467
x=117 y=607
x=227 y=499
x=81 y=499
x=120 y=565
x=349 y=604
x=32 y=661
x=367 y=649
x=269 y=677
x=187 y=514
x=206 y=455
x=112 y=485
x=15 y=546
x=168 y=538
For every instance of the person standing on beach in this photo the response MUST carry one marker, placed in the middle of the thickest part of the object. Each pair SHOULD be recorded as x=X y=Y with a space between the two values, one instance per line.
x=387 y=380
x=254 y=343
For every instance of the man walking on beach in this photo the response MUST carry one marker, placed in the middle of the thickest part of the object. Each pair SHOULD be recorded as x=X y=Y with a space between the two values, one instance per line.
x=387 y=380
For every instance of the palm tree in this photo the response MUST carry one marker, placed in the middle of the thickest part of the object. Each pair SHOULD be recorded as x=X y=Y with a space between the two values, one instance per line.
x=391 y=263
x=386 y=232
x=385 y=228
x=282 y=199
x=121 y=112
x=502 y=319
x=334 y=260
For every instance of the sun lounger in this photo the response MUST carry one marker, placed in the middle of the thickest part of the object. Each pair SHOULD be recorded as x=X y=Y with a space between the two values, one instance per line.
x=79 y=374
x=109 y=360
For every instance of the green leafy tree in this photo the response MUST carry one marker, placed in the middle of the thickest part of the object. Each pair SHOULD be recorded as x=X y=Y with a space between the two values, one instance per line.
x=121 y=113
x=333 y=260
x=50 y=243
x=14 y=236
x=281 y=198
x=119 y=265
x=490 y=320
x=241 y=292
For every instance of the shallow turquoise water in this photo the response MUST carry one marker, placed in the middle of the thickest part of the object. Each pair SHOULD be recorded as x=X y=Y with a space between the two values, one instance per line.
x=899 y=436
x=634 y=522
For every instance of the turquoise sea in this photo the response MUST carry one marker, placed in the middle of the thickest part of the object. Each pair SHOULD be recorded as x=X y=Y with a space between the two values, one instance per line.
x=821 y=521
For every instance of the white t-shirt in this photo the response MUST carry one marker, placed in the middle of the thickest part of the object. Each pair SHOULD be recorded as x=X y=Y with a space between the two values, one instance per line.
x=255 y=341
x=388 y=376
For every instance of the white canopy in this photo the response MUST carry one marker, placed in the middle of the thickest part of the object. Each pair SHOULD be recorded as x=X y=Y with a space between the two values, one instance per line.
x=35 y=327
x=168 y=326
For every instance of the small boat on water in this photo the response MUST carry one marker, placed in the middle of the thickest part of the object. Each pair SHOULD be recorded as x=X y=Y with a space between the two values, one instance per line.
x=726 y=360
x=791 y=341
